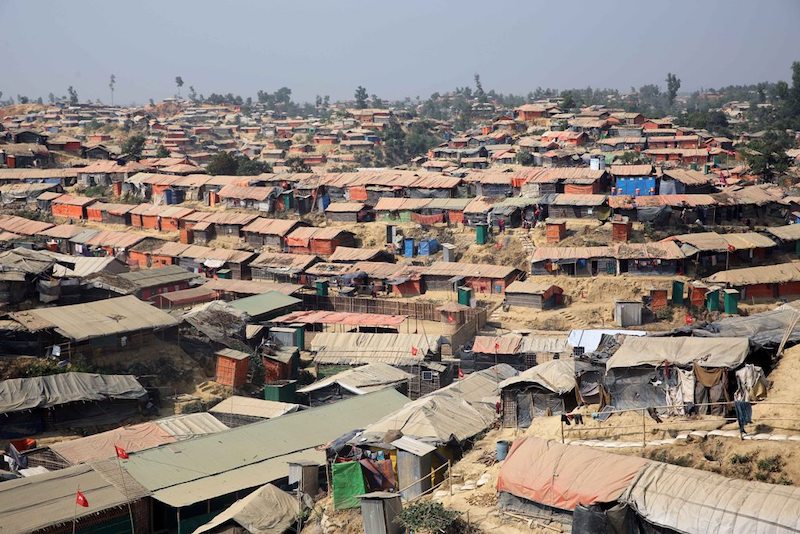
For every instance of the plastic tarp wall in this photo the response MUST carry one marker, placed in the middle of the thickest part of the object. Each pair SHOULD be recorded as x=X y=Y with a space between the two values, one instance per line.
x=727 y=352
x=632 y=388
x=689 y=500
x=562 y=476
x=348 y=483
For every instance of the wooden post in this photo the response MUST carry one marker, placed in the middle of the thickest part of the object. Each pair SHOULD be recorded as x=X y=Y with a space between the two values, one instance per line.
x=644 y=435
x=562 y=431
x=450 y=477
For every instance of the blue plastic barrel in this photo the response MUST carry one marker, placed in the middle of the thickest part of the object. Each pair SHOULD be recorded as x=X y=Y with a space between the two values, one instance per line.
x=502 y=450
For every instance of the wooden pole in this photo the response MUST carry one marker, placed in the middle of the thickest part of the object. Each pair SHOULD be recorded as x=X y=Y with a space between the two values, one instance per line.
x=125 y=493
x=644 y=435
x=450 y=477
x=562 y=431
x=75 y=510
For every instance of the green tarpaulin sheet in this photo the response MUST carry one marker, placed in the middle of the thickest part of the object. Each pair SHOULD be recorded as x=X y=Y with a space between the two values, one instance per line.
x=348 y=483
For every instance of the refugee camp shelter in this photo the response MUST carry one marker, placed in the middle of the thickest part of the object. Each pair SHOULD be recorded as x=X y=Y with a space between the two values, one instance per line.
x=268 y=510
x=31 y=405
x=237 y=410
x=46 y=502
x=672 y=371
x=518 y=351
x=532 y=295
x=550 y=388
x=110 y=324
x=267 y=305
x=356 y=381
x=253 y=457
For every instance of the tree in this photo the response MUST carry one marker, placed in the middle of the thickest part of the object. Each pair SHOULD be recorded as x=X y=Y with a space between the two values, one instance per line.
x=296 y=164
x=567 y=100
x=23 y=99
x=361 y=97
x=524 y=157
x=179 y=83
x=50 y=98
x=673 y=84
x=192 y=94
x=162 y=152
x=112 y=82
x=251 y=167
x=222 y=163
x=481 y=96
x=377 y=102
x=73 y=96
x=133 y=146
x=767 y=156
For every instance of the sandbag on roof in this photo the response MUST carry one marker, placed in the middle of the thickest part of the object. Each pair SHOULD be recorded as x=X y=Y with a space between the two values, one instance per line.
x=47 y=391
x=268 y=510
x=709 y=352
x=690 y=500
x=562 y=476
x=557 y=376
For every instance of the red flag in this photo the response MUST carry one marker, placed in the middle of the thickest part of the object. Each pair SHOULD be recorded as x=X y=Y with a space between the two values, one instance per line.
x=688 y=319
x=460 y=373
x=121 y=453
x=496 y=346
x=731 y=248
x=414 y=351
x=80 y=498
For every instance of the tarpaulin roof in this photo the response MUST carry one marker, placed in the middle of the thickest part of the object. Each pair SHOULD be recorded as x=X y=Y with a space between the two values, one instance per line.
x=101 y=446
x=47 y=391
x=563 y=476
x=190 y=425
x=557 y=376
x=108 y=317
x=765 y=328
x=689 y=500
x=431 y=419
x=33 y=503
x=264 y=303
x=358 y=348
x=763 y=274
x=362 y=379
x=268 y=510
x=253 y=407
x=346 y=254
x=590 y=339
x=345 y=318
x=191 y=471
x=708 y=352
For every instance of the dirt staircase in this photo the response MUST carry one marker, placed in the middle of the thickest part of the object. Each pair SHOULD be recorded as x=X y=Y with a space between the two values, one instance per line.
x=574 y=321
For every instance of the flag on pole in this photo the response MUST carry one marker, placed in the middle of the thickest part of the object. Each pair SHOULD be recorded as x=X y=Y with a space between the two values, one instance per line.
x=121 y=453
x=496 y=346
x=460 y=374
x=414 y=351
x=80 y=499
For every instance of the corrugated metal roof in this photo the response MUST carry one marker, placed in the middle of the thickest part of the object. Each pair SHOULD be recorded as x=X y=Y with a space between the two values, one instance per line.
x=280 y=262
x=190 y=425
x=400 y=204
x=80 y=322
x=348 y=254
x=478 y=270
x=264 y=226
x=252 y=455
x=250 y=287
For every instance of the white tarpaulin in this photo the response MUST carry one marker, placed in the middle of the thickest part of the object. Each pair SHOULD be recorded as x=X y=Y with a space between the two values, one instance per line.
x=727 y=352
x=690 y=500
x=267 y=510
x=557 y=376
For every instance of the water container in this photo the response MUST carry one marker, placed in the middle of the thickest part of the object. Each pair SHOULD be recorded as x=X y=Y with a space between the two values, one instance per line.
x=502 y=449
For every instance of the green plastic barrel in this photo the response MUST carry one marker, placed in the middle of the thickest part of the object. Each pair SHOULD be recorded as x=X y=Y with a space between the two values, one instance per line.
x=677 y=293
x=481 y=233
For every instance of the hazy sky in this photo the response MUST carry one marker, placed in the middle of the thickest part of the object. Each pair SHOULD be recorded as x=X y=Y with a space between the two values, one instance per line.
x=393 y=48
